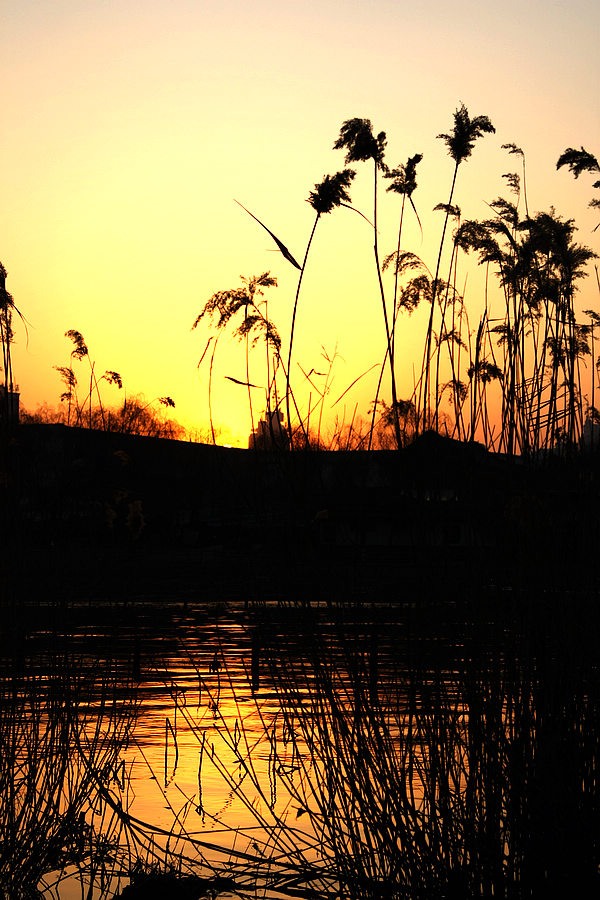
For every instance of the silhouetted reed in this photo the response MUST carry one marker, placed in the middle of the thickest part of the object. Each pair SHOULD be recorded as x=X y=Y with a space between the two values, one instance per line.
x=326 y=196
x=579 y=161
x=460 y=143
x=240 y=308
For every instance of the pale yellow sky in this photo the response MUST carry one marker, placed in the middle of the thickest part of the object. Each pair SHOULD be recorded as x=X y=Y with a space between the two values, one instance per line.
x=129 y=128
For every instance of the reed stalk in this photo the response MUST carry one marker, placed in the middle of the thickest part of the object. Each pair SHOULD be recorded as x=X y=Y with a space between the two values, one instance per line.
x=460 y=142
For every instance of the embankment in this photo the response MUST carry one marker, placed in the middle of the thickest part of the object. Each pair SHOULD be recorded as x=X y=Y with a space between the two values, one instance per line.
x=101 y=515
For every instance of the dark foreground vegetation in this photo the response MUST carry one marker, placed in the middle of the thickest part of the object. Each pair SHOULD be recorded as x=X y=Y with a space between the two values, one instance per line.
x=447 y=756
x=414 y=752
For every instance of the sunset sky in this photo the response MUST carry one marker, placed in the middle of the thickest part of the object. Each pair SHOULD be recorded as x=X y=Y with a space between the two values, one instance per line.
x=129 y=128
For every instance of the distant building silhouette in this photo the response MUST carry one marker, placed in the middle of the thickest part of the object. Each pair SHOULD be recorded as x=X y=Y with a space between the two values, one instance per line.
x=270 y=433
x=9 y=404
x=590 y=437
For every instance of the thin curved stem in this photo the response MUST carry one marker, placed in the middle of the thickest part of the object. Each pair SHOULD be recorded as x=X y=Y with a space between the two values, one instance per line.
x=293 y=328
x=210 y=380
x=427 y=356
x=390 y=348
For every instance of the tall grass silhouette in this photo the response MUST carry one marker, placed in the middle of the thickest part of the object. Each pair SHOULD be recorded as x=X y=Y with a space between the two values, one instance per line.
x=513 y=374
x=240 y=309
x=357 y=139
x=330 y=193
x=460 y=143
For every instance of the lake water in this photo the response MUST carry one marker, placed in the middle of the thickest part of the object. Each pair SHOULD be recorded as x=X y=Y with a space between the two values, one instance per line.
x=377 y=751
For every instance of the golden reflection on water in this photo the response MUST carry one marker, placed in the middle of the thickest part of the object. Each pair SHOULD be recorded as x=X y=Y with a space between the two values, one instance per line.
x=203 y=747
x=210 y=753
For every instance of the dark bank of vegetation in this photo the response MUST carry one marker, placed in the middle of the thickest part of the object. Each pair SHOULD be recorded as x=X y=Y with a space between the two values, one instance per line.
x=96 y=515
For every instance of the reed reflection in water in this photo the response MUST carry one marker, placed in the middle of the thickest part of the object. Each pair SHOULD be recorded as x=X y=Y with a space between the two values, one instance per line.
x=429 y=751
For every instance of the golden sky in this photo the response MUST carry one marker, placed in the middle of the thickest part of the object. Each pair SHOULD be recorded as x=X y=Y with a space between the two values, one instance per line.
x=128 y=128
